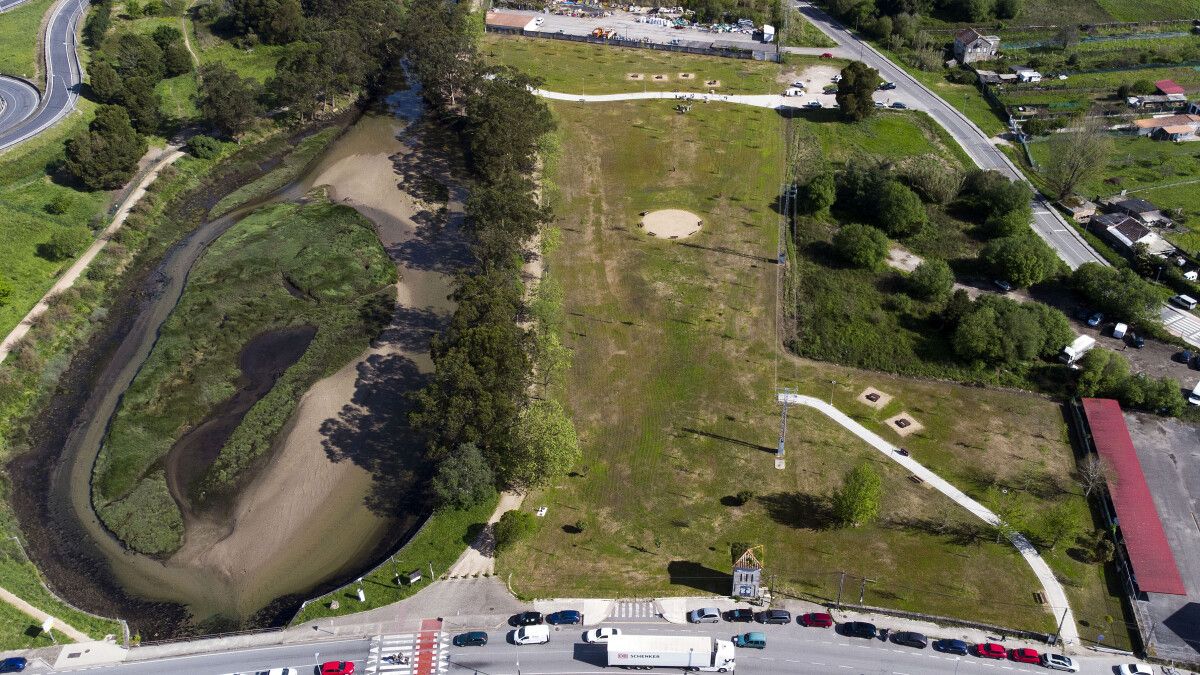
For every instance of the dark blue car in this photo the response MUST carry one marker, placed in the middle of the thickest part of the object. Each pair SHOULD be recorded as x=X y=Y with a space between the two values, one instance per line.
x=13 y=664
x=565 y=617
x=951 y=647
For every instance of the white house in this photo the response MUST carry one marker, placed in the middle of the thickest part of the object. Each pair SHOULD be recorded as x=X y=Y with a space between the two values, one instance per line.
x=1027 y=74
x=970 y=45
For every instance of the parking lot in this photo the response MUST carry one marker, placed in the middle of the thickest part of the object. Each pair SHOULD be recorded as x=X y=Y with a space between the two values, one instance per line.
x=627 y=27
x=1169 y=452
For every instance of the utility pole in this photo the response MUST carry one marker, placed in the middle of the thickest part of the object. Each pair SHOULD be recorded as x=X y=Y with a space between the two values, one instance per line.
x=1058 y=632
x=862 y=590
x=841 y=582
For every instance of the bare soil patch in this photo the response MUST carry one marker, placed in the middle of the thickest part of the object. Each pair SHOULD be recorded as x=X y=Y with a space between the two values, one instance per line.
x=671 y=223
x=686 y=76
x=712 y=83
x=661 y=78
x=903 y=260
x=903 y=424
x=874 y=398
x=634 y=76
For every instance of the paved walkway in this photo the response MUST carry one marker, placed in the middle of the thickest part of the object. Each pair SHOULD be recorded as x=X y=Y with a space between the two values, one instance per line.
x=479 y=558
x=40 y=616
x=1056 y=597
x=68 y=279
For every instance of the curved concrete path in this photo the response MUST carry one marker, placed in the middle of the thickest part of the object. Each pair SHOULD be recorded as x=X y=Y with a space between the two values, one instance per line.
x=1055 y=595
x=166 y=157
x=40 y=616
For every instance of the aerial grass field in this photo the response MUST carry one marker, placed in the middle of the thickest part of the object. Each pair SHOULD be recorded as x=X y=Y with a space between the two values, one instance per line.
x=802 y=33
x=965 y=97
x=682 y=337
x=600 y=69
x=27 y=191
x=286 y=265
x=19 y=39
x=1167 y=174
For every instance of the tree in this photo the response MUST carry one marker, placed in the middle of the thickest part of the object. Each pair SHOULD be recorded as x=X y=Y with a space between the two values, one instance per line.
x=142 y=103
x=1007 y=9
x=1102 y=373
x=931 y=280
x=1061 y=521
x=505 y=122
x=1094 y=473
x=957 y=308
x=463 y=479
x=1120 y=293
x=986 y=193
x=933 y=180
x=546 y=447
x=104 y=81
x=819 y=193
x=135 y=55
x=106 y=155
x=1076 y=155
x=1023 y=260
x=861 y=245
x=275 y=22
x=857 y=502
x=65 y=243
x=226 y=100
x=1010 y=513
x=1013 y=223
x=512 y=527
x=978 y=337
x=1067 y=36
x=440 y=46
x=176 y=59
x=856 y=90
x=204 y=147
x=900 y=210
x=98 y=22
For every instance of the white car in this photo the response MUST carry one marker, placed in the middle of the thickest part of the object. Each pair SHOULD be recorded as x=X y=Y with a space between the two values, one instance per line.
x=280 y=671
x=1059 y=662
x=531 y=635
x=1135 y=669
x=706 y=615
x=600 y=635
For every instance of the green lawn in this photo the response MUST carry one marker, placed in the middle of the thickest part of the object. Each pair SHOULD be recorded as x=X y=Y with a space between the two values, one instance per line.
x=26 y=188
x=1150 y=10
x=600 y=69
x=802 y=33
x=285 y=265
x=19 y=576
x=966 y=97
x=682 y=335
x=441 y=540
x=18 y=38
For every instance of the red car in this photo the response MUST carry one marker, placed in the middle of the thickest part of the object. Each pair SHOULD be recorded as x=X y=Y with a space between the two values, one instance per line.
x=337 y=668
x=827 y=55
x=990 y=650
x=1025 y=655
x=816 y=620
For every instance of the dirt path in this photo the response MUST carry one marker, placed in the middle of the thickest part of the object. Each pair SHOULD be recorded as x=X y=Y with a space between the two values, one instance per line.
x=40 y=616
x=166 y=157
x=479 y=558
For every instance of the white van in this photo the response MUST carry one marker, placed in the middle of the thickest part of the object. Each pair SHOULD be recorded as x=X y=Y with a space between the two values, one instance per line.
x=531 y=635
x=1194 y=397
x=1184 y=301
x=1119 y=330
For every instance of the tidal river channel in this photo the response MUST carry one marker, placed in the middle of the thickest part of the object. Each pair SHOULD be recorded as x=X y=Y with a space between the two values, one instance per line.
x=332 y=497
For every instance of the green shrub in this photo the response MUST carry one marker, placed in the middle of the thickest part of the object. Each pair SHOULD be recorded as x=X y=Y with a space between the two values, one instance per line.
x=204 y=147
x=514 y=526
x=931 y=280
x=59 y=205
x=65 y=243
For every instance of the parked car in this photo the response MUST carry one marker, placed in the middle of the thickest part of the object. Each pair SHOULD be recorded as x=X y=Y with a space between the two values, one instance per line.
x=1134 y=669
x=990 y=650
x=1184 y=301
x=337 y=668
x=899 y=105
x=826 y=55
x=1003 y=285
x=1184 y=357
x=740 y=615
x=1119 y=330
x=880 y=104
x=531 y=635
x=860 y=629
x=1195 y=362
x=705 y=615
x=526 y=619
x=1095 y=319
x=910 y=639
x=566 y=617
x=950 y=646
x=1059 y=662
x=813 y=104
x=815 y=620
x=887 y=85
x=1025 y=655
x=775 y=616
x=753 y=640
x=600 y=635
x=13 y=664
x=475 y=638
x=280 y=671
x=1137 y=340
x=799 y=84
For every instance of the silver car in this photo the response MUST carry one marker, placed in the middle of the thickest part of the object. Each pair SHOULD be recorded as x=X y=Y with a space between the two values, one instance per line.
x=1059 y=662
x=705 y=615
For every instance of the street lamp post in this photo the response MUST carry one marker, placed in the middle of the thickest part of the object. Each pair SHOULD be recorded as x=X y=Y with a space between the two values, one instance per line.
x=832 y=385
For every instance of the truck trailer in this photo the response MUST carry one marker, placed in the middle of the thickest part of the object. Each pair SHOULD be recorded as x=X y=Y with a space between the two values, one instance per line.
x=1075 y=351
x=643 y=652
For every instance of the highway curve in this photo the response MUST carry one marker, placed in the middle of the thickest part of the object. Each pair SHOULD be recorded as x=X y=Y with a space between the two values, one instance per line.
x=24 y=113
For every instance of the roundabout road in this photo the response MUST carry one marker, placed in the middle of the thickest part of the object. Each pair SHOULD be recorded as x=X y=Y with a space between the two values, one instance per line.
x=19 y=120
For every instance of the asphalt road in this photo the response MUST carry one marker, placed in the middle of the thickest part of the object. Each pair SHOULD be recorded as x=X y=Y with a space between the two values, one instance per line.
x=6 y=5
x=790 y=649
x=22 y=120
x=18 y=99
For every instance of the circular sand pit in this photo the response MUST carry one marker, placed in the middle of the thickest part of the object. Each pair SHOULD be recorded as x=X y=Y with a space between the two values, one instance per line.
x=671 y=223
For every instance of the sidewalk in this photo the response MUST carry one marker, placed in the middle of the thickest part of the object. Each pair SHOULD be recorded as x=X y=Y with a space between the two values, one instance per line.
x=59 y=625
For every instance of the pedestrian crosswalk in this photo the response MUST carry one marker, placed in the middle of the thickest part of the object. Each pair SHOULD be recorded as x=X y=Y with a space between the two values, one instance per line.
x=408 y=654
x=633 y=610
x=1183 y=324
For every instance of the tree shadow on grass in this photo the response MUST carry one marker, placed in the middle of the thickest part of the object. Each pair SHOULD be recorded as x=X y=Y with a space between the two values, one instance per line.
x=697 y=576
x=799 y=510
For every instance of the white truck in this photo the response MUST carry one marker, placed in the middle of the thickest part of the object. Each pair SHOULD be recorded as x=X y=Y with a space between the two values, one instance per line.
x=1194 y=397
x=1075 y=351
x=768 y=33
x=643 y=652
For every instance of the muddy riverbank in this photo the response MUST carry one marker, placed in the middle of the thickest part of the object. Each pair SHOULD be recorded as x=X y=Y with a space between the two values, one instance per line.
x=341 y=486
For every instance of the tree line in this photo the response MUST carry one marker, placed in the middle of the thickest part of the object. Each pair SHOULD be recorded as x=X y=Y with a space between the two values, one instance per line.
x=332 y=49
x=483 y=430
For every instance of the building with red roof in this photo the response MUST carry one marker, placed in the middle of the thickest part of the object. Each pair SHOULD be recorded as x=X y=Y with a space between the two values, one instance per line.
x=1168 y=87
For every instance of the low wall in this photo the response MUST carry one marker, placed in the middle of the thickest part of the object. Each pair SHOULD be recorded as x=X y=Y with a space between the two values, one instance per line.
x=945 y=620
x=770 y=53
